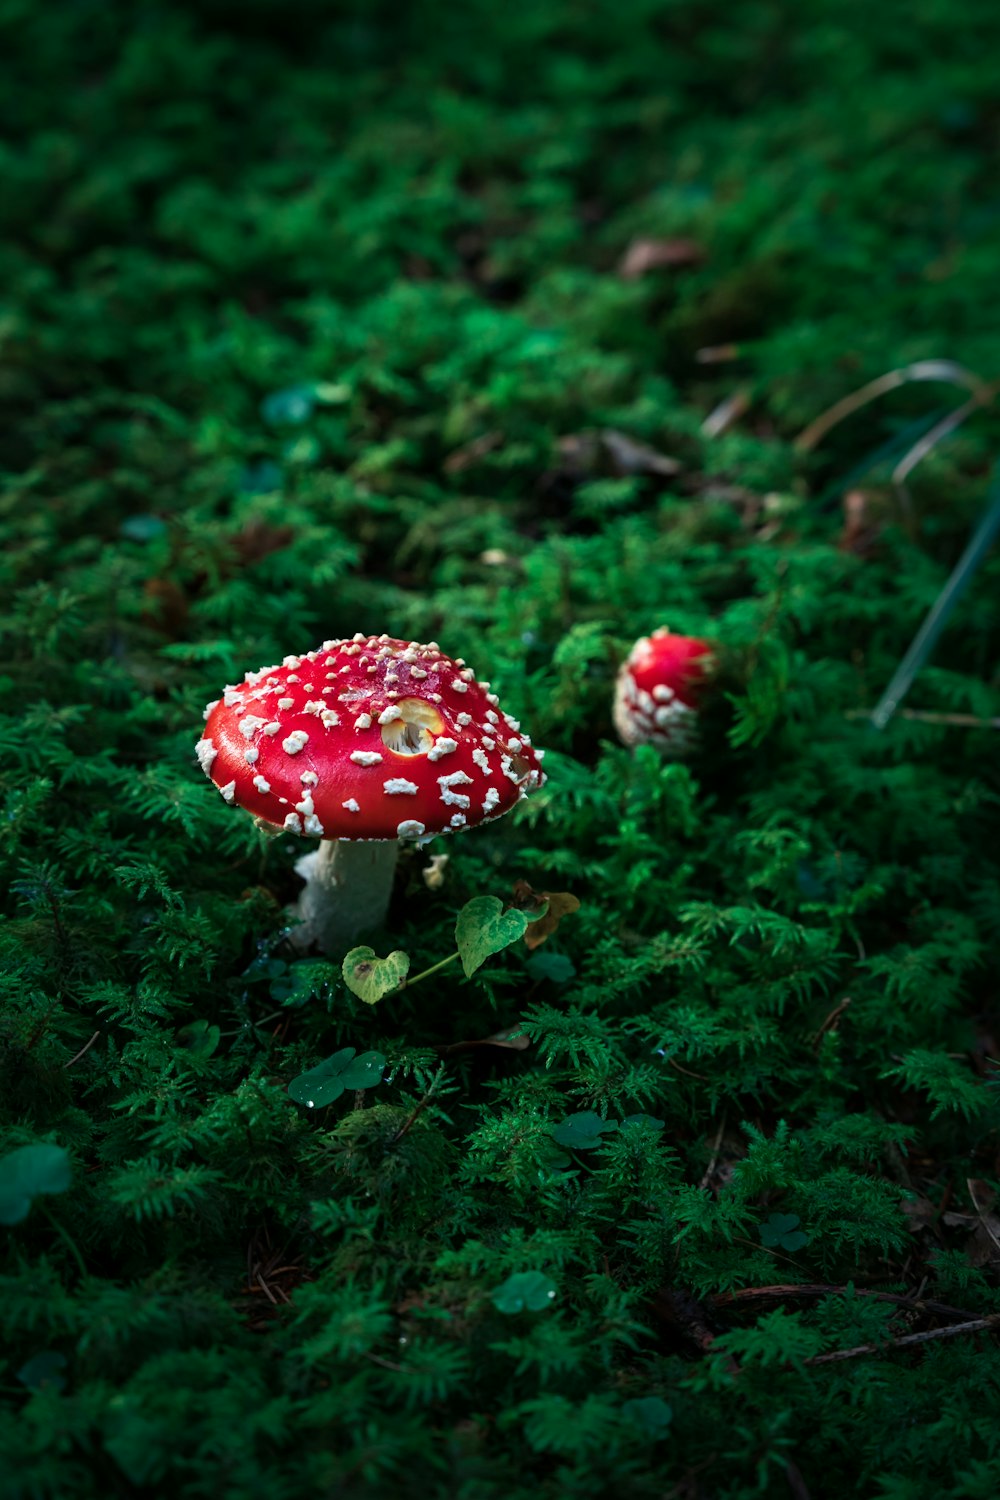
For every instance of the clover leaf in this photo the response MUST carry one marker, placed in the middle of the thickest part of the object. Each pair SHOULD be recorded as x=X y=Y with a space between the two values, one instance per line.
x=330 y=1078
x=525 y=1291
x=582 y=1132
x=782 y=1232
x=26 y=1174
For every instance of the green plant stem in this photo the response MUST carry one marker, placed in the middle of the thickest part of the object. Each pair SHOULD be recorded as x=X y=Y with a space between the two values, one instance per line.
x=432 y=970
x=66 y=1237
x=926 y=638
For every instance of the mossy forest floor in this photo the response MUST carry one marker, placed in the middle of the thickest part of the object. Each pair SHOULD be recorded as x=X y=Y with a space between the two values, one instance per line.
x=326 y=318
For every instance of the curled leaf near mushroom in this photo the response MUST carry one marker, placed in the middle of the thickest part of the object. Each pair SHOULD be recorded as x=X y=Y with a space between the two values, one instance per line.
x=363 y=743
x=659 y=690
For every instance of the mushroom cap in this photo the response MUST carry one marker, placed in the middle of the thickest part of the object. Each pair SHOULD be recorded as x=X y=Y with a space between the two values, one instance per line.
x=659 y=687
x=368 y=738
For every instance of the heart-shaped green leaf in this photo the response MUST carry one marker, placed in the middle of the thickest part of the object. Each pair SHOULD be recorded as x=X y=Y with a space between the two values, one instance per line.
x=583 y=1132
x=525 y=1291
x=370 y=977
x=28 y=1172
x=483 y=927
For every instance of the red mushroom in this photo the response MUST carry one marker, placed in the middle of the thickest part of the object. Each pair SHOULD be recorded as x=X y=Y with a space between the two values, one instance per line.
x=658 y=692
x=361 y=744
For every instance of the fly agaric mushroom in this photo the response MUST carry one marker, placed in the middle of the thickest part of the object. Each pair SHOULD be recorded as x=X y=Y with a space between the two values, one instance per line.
x=361 y=744
x=658 y=691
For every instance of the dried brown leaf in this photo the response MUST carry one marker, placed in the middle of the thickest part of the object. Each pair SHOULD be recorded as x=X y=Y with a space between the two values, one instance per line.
x=649 y=254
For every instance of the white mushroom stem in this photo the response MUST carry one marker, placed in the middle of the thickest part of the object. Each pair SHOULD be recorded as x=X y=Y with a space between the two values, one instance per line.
x=348 y=885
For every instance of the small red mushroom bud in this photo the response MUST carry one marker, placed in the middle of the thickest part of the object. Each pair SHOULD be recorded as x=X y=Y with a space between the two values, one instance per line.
x=659 y=690
x=362 y=743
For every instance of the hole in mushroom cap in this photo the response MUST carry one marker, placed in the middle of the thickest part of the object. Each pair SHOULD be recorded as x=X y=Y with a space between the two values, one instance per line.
x=412 y=733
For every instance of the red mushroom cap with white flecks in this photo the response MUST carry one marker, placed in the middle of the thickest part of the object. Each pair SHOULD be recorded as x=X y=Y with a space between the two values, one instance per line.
x=658 y=691
x=368 y=738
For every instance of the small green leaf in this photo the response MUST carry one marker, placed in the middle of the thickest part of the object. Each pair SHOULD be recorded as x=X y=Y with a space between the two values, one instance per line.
x=483 y=927
x=782 y=1232
x=583 y=1132
x=297 y=983
x=525 y=1291
x=28 y=1172
x=370 y=977
x=44 y=1369
x=364 y=1072
x=547 y=965
x=289 y=407
x=328 y=1080
x=642 y=1122
x=199 y=1039
x=648 y=1413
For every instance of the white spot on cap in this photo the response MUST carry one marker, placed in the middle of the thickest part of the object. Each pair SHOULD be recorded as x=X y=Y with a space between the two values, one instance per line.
x=329 y=717
x=314 y=706
x=250 y=725
x=418 y=673
x=210 y=707
x=396 y=786
x=459 y=685
x=285 y=702
x=262 y=784
x=489 y=743
x=410 y=828
x=458 y=820
x=313 y=825
x=363 y=721
x=295 y=742
x=388 y=714
x=352 y=804
x=251 y=756
x=291 y=661
x=457 y=778
x=491 y=799
x=365 y=757
x=491 y=716
x=309 y=778
x=306 y=805
x=206 y=753
x=463 y=719
x=662 y=693
x=479 y=756
x=229 y=791
x=443 y=746
x=292 y=823
x=272 y=728
x=451 y=798
x=513 y=744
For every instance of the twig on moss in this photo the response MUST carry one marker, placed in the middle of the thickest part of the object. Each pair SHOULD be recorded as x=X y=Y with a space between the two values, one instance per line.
x=832 y=1021
x=926 y=716
x=978 y=1325
x=945 y=370
x=824 y=1289
x=82 y=1051
x=716 y=1147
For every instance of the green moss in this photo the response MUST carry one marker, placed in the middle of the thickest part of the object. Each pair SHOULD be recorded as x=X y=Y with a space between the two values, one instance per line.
x=312 y=325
